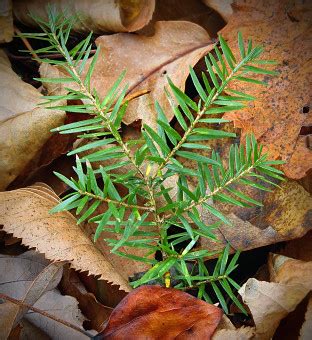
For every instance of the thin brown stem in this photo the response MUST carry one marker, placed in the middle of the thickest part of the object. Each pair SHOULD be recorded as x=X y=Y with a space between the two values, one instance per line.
x=26 y=43
x=215 y=192
x=119 y=203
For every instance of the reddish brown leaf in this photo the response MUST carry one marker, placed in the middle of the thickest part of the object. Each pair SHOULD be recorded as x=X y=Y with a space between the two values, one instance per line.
x=281 y=110
x=153 y=312
x=88 y=304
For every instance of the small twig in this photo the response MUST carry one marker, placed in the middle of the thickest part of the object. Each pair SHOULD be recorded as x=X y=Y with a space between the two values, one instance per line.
x=47 y=315
x=27 y=44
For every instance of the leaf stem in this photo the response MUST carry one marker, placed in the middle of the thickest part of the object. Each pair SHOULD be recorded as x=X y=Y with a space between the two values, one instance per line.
x=120 y=203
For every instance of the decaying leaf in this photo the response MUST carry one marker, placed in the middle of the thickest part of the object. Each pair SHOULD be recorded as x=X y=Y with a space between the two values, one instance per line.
x=88 y=304
x=29 y=278
x=175 y=46
x=92 y=15
x=24 y=127
x=223 y=7
x=226 y=330
x=188 y=10
x=63 y=307
x=270 y=302
x=6 y=21
x=25 y=214
x=153 y=312
x=286 y=215
x=306 y=330
x=280 y=111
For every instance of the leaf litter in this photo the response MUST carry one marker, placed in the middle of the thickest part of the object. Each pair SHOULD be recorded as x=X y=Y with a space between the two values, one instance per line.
x=286 y=213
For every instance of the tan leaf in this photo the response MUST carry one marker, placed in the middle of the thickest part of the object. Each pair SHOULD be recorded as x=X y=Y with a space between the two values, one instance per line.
x=26 y=277
x=191 y=10
x=226 y=330
x=270 y=302
x=175 y=46
x=24 y=127
x=223 y=7
x=6 y=21
x=92 y=15
x=286 y=215
x=306 y=330
x=284 y=107
x=25 y=214
x=242 y=333
x=62 y=307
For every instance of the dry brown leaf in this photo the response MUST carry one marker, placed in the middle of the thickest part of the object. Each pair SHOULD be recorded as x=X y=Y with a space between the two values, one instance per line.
x=242 y=333
x=25 y=214
x=306 y=330
x=26 y=277
x=92 y=15
x=286 y=215
x=6 y=21
x=299 y=249
x=276 y=118
x=62 y=307
x=188 y=10
x=270 y=302
x=88 y=304
x=148 y=61
x=226 y=330
x=154 y=312
x=30 y=331
x=223 y=7
x=24 y=127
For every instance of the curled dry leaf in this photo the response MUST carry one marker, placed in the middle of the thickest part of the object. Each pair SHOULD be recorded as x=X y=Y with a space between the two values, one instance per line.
x=88 y=304
x=270 y=302
x=286 y=215
x=153 y=312
x=25 y=214
x=191 y=10
x=174 y=47
x=92 y=15
x=306 y=330
x=284 y=108
x=226 y=330
x=6 y=21
x=26 y=277
x=64 y=308
x=24 y=127
x=223 y=7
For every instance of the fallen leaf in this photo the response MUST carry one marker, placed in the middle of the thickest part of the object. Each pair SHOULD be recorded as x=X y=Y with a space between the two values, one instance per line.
x=306 y=330
x=24 y=127
x=88 y=304
x=270 y=302
x=289 y=271
x=30 y=331
x=148 y=61
x=96 y=16
x=56 y=235
x=280 y=111
x=224 y=7
x=62 y=307
x=154 y=312
x=300 y=248
x=286 y=215
x=6 y=21
x=188 y=10
x=226 y=330
x=25 y=277
x=242 y=333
